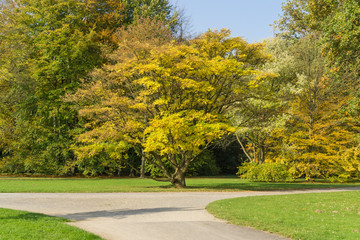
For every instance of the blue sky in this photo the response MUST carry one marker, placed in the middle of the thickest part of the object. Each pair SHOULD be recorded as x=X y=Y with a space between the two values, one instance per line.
x=249 y=19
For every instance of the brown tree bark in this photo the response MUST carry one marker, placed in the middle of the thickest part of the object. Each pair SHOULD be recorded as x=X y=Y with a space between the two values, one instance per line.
x=178 y=178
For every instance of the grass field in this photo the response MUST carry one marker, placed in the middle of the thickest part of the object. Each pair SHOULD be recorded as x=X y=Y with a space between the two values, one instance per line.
x=9 y=185
x=18 y=225
x=330 y=216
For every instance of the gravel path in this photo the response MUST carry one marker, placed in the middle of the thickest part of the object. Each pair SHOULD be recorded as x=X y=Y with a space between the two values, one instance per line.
x=143 y=216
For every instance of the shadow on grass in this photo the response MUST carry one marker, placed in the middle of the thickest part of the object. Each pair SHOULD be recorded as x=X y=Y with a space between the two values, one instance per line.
x=257 y=186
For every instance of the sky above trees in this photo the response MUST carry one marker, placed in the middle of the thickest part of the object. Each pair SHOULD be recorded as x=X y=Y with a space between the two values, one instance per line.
x=250 y=19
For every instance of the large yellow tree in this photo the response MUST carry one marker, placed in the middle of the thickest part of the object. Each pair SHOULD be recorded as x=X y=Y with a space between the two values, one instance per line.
x=166 y=98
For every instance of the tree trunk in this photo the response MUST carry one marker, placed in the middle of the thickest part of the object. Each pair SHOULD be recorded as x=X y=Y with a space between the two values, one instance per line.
x=178 y=178
x=142 y=171
x=261 y=153
x=243 y=148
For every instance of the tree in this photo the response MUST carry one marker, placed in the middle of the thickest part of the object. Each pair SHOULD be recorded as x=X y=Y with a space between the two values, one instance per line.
x=255 y=119
x=341 y=32
x=183 y=89
x=15 y=85
x=133 y=42
x=159 y=9
x=337 y=22
x=58 y=39
x=262 y=110
x=325 y=128
x=316 y=132
x=56 y=43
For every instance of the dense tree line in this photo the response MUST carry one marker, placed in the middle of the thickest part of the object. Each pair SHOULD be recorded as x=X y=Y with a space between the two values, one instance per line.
x=46 y=48
x=97 y=87
x=56 y=53
x=312 y=129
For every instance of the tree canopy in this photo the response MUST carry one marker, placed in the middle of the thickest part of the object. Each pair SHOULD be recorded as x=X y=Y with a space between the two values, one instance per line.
x=47 y=47
x=169 y=99
x=96 y=87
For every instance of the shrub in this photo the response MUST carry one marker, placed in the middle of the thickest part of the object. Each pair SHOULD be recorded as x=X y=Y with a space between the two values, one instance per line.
x=205 y=165
x=265 y=172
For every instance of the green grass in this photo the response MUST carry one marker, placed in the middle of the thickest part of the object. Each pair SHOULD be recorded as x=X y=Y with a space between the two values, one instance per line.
x=319 y=216
x=9 y=184
x=18 y=225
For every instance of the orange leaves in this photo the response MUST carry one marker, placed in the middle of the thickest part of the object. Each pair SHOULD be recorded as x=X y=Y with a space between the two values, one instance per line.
x=138 y=40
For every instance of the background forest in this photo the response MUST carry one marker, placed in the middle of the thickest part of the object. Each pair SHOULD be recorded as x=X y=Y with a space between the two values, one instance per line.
x=119 y=87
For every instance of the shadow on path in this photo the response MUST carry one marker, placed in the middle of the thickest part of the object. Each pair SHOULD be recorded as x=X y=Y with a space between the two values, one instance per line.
x=123 y=213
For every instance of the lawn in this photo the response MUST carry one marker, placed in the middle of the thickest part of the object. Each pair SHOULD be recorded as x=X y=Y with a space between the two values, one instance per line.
x=301 y=216
x=8 y=185
x=17 y=225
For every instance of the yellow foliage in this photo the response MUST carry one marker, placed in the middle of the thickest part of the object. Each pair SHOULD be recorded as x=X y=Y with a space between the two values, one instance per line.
x=170 y=102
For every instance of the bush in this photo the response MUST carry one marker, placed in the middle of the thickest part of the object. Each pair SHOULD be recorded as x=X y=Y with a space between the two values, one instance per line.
x=204 y=165
x=265 y=172
x=228 y=158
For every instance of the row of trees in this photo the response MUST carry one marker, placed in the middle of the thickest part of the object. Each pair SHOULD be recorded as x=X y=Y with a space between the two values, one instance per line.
x=46 y=48
x=89 y=87
x=307 y=117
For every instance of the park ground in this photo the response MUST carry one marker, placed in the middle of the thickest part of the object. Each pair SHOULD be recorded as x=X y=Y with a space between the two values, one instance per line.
x=334 y=209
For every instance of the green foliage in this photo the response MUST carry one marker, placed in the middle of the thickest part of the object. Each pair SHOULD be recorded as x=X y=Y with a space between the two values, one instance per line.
x=205 y=165
x=264 y=172
x=58 y=40
x=47 y=47
x=100 y=164
x=320 y=135
x=228 y=156
x=337 y=21
x=159 y=9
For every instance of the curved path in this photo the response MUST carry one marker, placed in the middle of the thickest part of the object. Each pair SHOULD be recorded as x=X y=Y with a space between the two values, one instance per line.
x=143 y=216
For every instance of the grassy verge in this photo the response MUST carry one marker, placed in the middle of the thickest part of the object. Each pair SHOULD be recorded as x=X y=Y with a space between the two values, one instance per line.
x=8 y=185
x=17 y=225
x=301 y=216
